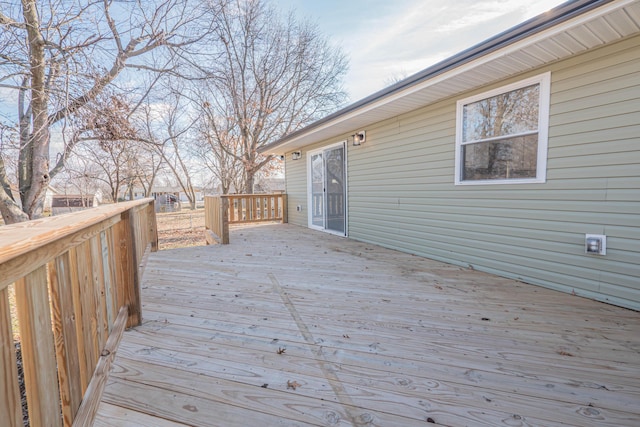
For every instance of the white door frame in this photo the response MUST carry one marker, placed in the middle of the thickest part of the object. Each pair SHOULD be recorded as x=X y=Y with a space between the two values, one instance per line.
x=310 y=188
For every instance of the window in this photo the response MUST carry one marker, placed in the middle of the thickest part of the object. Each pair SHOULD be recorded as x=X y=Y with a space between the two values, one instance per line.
x=501 y=135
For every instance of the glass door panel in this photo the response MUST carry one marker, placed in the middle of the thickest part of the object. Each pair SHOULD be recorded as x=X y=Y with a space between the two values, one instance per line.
x=317 y=190
x=335 y=189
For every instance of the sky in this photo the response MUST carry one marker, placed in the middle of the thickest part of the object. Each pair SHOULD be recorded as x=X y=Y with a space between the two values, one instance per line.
x=386 y=39
x=391 y=38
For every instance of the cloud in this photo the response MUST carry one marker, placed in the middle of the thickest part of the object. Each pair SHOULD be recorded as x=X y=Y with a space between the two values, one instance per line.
x=415 y=34
x=477 y=15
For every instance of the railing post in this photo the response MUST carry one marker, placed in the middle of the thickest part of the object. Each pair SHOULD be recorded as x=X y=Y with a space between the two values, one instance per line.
x=257 y=206
x=86 y=311
x=208 y=220
x=285 y=209
x=224 y=220
x=217 y=212
x=81 y=357
x=106 y=244
x=10 y=403
x=152 y=223
x=135 y=304
x=66 y=339
x=276 y=206
x=39 y=360
x=232 y=207
x=128 y=292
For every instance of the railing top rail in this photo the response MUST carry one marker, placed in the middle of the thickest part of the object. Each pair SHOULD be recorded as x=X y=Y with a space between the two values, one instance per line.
x=249 y=195
x=22 y=238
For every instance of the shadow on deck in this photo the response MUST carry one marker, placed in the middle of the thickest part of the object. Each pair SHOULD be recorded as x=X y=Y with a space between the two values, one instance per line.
x=287 y=326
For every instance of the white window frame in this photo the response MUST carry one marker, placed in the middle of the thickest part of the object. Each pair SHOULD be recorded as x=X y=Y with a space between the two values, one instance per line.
x=544 y=80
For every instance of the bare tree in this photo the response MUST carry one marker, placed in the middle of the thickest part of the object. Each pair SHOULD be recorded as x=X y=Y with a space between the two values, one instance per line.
x=169 y=128
x=115 y=168
x=274 y=76
x=59 y=56
x=78 y=178
x=151 y=165
x=115 y=164
x=111 y=141
x=108 y=167
x=219 y=148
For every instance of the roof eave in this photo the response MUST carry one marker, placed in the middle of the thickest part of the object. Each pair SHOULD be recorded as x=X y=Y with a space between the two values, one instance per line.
x=527 y=29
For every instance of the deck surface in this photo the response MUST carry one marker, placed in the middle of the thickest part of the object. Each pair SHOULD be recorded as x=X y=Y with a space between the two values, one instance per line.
x=291 y=327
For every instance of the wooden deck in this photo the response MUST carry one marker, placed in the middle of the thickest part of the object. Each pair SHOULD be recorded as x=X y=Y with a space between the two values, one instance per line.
x=287 y=326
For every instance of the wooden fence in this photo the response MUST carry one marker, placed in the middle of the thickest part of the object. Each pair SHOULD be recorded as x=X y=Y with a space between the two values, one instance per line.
x=220 y=211
x=76 y=279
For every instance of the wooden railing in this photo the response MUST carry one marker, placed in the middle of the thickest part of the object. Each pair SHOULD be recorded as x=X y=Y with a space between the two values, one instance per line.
x=216 y=219
x=220 y=211
x=76 y=279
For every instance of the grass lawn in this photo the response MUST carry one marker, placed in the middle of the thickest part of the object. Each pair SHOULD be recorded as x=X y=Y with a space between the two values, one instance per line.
x=181 y=229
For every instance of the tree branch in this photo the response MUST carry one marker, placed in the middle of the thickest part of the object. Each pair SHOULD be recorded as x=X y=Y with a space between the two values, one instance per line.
x=5 y=20
x=112 y=25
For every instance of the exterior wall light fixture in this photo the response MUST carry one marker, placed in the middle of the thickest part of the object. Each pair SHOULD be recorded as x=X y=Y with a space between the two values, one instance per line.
x=296 y=155
x=359 y=138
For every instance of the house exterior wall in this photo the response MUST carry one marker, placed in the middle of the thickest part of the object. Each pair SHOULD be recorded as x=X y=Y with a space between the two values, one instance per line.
x=402 y=193
x=296 y=182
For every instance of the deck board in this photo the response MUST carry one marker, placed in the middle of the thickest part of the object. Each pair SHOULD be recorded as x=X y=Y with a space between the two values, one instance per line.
x=370 y=336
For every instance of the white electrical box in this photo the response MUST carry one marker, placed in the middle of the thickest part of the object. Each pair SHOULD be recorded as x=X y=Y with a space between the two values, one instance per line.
x=595 y=244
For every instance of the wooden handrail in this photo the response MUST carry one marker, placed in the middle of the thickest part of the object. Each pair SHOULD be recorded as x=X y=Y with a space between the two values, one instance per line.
x=220 y=211
x=77 y=285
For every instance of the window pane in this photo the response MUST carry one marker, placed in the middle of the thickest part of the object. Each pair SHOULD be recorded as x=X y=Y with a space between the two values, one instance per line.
x=505 y=114
x=317 y=190
x=511 y=158
x=335 y=186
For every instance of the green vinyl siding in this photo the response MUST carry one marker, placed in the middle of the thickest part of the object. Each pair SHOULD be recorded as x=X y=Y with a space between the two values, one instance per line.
x=402 y=193
x=296 y=188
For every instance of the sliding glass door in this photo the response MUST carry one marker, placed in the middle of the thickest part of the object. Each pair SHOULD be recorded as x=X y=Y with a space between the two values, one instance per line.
x=327 y=189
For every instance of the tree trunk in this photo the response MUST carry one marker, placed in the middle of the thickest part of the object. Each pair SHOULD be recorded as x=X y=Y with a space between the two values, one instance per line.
x=34 y=156
x=115 y=189
x=248 y=182
x=10 y=211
